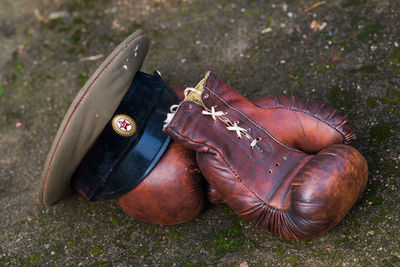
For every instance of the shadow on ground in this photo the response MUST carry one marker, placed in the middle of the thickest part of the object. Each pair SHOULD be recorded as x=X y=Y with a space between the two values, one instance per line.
x=345 y=53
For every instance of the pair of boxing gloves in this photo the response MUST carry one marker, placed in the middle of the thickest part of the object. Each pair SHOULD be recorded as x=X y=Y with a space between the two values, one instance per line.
x=278 y=161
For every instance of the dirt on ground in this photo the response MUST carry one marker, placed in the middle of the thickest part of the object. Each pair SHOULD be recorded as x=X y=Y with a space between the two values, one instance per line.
x=345 y=53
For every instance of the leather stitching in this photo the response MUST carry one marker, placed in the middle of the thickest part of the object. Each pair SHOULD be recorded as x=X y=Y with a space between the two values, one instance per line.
x=252 y=122
x=226 y=163
x=234 y=140
x=312 y=115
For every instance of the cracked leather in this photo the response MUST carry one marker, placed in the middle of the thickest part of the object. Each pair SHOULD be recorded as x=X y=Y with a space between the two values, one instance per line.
x=296 y=182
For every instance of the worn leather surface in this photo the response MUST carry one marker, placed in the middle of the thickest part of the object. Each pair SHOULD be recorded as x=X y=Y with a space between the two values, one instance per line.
x=300 y=124
x=173 y=192
x=276 y=184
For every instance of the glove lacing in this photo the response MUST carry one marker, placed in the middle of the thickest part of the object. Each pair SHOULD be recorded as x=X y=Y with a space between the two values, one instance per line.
x=231 y=126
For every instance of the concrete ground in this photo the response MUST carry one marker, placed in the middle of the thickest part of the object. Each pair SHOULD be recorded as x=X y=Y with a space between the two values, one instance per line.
x=345 y=53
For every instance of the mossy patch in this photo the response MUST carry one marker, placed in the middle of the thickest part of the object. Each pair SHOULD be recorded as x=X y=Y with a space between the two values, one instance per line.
x=371 y=68
x=114 y=220
x=279 y=253
x=392 y=97
x=356 y=3
x=366 y=33
x=373 y=195
x=13 y=115
x=292 y=260
x=82 y=78
x=96 y=250
x=371 y=102
x=390 y=101
x=172 y=233
x=227 y=240
x=381 y=132
x=341 y=97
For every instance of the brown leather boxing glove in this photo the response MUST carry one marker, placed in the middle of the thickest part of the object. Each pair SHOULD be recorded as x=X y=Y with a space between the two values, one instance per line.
x=300 y=124
x=173 y=192
x=271 y=182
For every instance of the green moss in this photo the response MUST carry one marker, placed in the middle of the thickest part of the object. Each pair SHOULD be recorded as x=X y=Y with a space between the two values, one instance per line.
x=350 y=3
x=102 y=263
x=372 y=194
x=97 y=250
x=2 y=90
x=65 y=28
x=184 y=11
x=76 y=36
x=90 y=207
x=227 y=240
x=172 y=233
x=392 y=261
x=390 y=167
x=4 y=259
x=292 y=260
x=140 y=251
x=392 y=97
x=341 y=97
x=114 y=220
x=82 y=78
x=13 y=115
x=18 y=65
x=371 y=102
x=79 y=21
x=29 y=261
x=365 y=34
x=149 y=228
x=395 y=55
x=279 y=253
x=52 y=24
x=381 y=132
x=368 y=68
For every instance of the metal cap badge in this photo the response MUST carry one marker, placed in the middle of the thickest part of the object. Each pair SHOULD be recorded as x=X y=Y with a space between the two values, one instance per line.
x=124 y=125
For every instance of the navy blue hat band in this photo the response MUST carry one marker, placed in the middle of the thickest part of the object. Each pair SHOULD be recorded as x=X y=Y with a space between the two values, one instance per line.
x=131 y=143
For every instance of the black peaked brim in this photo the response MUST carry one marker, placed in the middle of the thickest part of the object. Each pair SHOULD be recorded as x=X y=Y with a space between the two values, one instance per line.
x=90 y=111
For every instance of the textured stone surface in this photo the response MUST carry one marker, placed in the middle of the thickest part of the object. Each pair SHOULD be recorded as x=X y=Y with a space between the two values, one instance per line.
x=345 y=53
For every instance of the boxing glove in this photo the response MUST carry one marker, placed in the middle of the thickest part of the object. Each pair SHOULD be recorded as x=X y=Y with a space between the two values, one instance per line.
x=173 y=192
x=270 y=182
x=299 y=122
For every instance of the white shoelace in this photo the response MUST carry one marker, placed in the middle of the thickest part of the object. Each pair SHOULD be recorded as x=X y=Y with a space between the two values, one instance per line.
x=231 y=126
x=174 y=108
x=214 y=114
